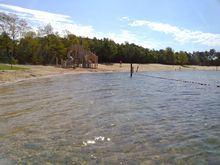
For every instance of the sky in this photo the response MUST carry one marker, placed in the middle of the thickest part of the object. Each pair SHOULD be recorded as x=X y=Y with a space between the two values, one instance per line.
x=191 y=25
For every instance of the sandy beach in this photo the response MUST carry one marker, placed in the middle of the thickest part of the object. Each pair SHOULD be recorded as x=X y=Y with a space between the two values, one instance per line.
x=37 y=71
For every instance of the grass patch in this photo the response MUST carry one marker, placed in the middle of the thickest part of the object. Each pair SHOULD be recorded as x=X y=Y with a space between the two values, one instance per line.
x=8 y=67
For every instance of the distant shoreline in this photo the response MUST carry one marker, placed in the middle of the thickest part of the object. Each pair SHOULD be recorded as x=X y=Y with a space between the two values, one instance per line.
x=40 y=71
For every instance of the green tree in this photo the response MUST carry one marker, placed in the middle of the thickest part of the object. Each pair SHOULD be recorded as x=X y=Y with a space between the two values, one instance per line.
x=71 y=39
x=14 y=27
x=28 y=49
x=182 y=58
x=6 y=45
x=169 y=56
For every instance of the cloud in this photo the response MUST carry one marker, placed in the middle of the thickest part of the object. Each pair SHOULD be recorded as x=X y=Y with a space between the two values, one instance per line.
x=59 y=22
x=37 y=15
x=180 y=34
x=125 y=18
x=130 y=37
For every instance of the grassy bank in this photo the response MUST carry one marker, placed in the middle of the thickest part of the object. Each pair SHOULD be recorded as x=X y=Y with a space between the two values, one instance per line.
x=8 y=67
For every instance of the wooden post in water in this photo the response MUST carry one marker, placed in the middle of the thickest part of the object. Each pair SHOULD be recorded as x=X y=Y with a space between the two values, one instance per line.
x=131 y=70
x=137 y=68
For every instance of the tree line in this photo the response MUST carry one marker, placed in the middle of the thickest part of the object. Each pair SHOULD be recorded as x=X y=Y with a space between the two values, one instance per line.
x=20 y=44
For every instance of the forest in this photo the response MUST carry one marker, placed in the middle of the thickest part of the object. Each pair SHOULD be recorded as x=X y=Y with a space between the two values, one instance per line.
x=20 y=44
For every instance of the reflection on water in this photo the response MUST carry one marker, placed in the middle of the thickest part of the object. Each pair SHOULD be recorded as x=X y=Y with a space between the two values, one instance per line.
x=111 y=119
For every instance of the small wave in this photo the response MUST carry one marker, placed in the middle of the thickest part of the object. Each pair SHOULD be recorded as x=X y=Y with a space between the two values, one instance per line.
x=96 y=139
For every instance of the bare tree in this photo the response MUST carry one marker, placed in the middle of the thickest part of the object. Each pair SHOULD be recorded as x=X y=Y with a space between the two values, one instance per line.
x=14 y=27
x=45 y=30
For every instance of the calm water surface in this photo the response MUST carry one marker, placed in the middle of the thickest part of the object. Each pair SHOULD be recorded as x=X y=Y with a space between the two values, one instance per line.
x=109 y=118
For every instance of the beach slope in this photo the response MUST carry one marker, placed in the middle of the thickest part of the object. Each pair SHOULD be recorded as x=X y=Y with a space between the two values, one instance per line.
x=37 y=71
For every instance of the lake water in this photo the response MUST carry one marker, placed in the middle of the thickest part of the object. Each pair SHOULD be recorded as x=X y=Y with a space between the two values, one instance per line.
x=109 y=118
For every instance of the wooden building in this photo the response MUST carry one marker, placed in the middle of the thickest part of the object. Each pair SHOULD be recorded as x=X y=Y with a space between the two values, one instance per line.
x=79 y=57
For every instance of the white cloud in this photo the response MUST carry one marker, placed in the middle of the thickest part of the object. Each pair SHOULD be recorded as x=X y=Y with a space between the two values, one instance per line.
x=130 y=37
x=125 y=18
x=59 y=22
x=37 y=15
x=180 y=34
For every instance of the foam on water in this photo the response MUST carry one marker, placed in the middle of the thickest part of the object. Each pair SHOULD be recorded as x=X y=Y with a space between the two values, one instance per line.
x=96 y=139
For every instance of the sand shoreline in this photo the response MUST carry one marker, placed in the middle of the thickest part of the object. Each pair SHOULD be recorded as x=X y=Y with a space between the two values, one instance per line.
x=39 y=71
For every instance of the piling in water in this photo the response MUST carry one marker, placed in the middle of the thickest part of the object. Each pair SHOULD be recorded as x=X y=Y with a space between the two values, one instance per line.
x=131 y=70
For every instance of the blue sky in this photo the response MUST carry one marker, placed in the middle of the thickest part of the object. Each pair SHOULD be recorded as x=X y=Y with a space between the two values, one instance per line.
x=183 y=25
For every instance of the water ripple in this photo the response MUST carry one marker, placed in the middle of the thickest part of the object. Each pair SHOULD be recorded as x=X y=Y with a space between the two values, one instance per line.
x=111 y=119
